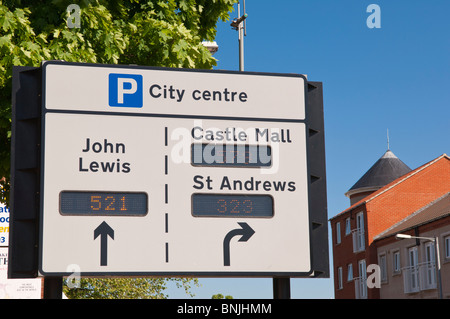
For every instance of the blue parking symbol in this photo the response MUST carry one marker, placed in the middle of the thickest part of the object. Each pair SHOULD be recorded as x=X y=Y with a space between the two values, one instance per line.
x=125 y=90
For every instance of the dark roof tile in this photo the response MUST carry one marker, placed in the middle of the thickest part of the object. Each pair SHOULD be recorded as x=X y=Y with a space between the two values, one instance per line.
x=388 y=168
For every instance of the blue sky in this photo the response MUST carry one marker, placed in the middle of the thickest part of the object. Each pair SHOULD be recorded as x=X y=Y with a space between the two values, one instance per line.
x=396 y=77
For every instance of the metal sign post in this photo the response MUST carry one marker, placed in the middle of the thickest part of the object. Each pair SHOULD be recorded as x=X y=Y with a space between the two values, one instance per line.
x=53 y=287
x=281 y=288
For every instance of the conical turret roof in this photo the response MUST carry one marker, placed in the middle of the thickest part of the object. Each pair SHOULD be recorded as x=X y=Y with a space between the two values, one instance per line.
x=388 y=168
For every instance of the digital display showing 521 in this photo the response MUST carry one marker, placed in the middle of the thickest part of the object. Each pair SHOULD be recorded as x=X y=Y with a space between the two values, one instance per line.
x=103 y=203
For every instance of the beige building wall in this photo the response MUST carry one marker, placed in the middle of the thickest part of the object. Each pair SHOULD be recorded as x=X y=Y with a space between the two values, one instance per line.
x=392 y=287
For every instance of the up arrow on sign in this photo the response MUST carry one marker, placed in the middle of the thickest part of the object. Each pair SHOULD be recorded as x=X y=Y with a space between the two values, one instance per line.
x=103 y=230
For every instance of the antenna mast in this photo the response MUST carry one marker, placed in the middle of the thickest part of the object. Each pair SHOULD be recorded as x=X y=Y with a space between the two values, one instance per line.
x=388 y=139
x=240 y=25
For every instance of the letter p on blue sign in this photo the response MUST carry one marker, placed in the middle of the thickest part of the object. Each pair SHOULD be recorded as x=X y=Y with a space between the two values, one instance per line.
x=125 y=90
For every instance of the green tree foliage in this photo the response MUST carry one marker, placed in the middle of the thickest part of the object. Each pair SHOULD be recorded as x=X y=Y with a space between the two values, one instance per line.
x=155 y=32
x=220 y=296
x=126 y=288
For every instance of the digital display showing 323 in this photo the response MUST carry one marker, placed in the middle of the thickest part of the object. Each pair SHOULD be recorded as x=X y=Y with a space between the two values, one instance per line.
x=232 y=205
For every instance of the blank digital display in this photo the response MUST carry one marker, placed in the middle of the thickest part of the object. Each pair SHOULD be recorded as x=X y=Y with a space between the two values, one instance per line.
x=103 y=203
x=213 y=205
x=231 y=155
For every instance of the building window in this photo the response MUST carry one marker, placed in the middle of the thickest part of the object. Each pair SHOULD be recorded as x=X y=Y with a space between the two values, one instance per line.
x=349 y=272
x=383 y=267
x=447 y=247
x=360 y=221
x=340 y=286
x=396 y=262
x=347 y=226
x=429 y=252
x=338 y=233
x=427 y=270
x=358 y=234
x=411 y=272
x=420 y=276
x=361 y=281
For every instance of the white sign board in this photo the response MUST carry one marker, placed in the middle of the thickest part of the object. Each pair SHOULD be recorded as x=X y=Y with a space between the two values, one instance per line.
x=173 y=172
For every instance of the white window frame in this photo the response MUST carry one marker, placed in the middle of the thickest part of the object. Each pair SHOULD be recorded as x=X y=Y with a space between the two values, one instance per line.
x=360 y=221
x=396 y=263
x=362 y=270
x=338 y=232
x=361 y=281
x=447 y=247
x=413 y=256
x=382 y=262
x=413 y=261
x=429 y=267
x=349 y=272
x=340 y=282
x=429 y=252
x=348 y=228
x=359 y=239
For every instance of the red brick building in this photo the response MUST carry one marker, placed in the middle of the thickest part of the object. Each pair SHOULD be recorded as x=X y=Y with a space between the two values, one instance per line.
x=384 y=196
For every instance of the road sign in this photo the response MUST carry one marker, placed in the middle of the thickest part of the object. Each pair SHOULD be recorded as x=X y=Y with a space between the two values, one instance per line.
x=153 y=171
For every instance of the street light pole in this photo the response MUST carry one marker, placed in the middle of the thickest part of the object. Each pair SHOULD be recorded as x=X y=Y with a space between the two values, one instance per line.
x=438 y=266
x=437 y=254
x=239 y=25
x=241 y=43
